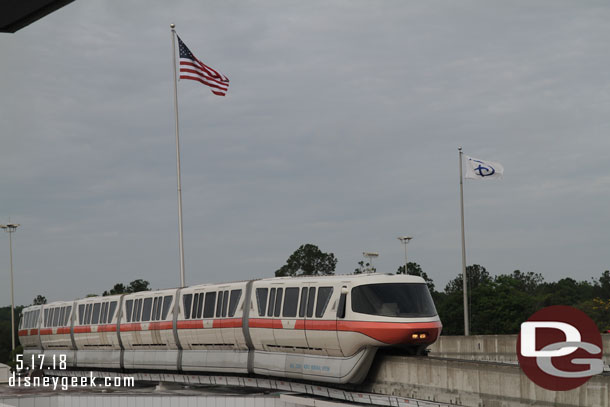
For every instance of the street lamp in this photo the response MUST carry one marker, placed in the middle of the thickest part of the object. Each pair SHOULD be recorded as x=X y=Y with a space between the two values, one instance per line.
x=405 y=240
x=370 y=256
x=10 y=228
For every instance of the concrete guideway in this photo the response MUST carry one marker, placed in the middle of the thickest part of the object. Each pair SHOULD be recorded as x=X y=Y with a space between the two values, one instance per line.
x=491 y=348
x=290 y=387
x=480 y=370
x=476 y=383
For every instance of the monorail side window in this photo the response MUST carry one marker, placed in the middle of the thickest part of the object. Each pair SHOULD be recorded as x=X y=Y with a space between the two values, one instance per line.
x=128 y=308
x=393 y=300
x=167 y=302
x=278 y=302
x=194 y=310
x=111 y=312
x=210 y=300
x=55 y=316
x=186 y=300
x=61 y=316
x=156 y=306
x=219 y=304
x=290 y=302
x=157 y=312
x=146 y=309
x=261 y=300
x=137 y=311
x=324 y=294
x=104 y=317
x=271 y=303
x=303 y=303
x=46 y=316
x=200 y=306
x=235 y=296
x=88 y=314
x=96 y=314
x=341 y=307
x=310 y=301
x=67 y=317
x=225 y=303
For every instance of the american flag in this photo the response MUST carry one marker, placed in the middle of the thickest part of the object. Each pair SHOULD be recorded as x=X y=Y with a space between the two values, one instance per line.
x=194 y=69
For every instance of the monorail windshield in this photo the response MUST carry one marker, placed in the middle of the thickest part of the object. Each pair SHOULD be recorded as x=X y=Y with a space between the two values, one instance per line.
x=393 y=300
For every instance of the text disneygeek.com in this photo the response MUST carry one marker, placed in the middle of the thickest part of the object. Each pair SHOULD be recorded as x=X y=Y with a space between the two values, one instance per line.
x=65 y=383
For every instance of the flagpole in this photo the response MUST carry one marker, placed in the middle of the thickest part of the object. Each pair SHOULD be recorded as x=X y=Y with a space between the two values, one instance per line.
x=181 y=245
x=464 y=279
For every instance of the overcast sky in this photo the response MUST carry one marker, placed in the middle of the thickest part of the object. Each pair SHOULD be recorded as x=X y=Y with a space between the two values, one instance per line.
x=340 y=128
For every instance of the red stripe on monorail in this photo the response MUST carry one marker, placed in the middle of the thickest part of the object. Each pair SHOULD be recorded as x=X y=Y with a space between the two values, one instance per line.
x=391 y=332
x=23 y=332
x=46 y=331
x=160 y=326
x=107 y=328
x=63 y=330
x=217 y=323
x=196 y=324
x=80 y=329
x=386 y=332
x=265 y=323
x=227 y=323
x=136 y=326
x=33 y=331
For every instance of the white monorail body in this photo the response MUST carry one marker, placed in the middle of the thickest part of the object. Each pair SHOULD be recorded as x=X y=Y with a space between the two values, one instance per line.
x=323 y=329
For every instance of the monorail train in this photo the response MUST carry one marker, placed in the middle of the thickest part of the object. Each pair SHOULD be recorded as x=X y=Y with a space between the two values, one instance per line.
x=325 y=329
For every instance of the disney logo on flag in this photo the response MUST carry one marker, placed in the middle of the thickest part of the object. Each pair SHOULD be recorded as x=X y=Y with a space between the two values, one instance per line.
x=478 y=169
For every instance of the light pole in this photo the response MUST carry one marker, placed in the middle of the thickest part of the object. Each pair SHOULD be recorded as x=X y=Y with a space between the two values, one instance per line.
x=405 y=240
x=371 y=256
x=10 y=228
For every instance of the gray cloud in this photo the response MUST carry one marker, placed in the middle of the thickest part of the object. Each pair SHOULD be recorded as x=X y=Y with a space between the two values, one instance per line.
x=340 y=128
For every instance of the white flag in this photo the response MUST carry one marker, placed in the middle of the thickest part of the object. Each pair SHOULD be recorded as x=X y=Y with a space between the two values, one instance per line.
x=481 y=169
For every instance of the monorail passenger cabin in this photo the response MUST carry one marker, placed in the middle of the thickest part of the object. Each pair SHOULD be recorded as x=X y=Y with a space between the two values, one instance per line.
x=324 y=329
x=146 y=330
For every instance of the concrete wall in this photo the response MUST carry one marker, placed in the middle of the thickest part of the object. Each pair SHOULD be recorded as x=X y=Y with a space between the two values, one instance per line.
x=472 y=383
x=491 y=348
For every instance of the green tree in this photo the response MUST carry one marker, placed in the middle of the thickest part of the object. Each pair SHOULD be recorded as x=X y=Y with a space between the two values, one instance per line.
x=133 y=287
x=476 y=274
x=364 y=268
x=414 y=269
x=39 y=300
x=308 y=260
x=5 y=332
x=138 y=285
x=119 y=288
